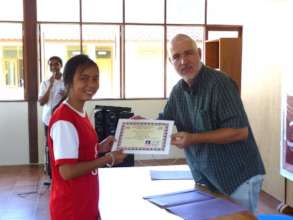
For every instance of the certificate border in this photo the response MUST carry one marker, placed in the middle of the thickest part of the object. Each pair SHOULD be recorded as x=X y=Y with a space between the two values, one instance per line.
x=168 y=125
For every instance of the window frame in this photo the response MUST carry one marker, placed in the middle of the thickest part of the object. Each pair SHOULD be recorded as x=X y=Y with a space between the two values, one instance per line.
x=122 y=24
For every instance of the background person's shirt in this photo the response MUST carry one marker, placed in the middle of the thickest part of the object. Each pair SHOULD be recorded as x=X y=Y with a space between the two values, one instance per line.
x=54 y=97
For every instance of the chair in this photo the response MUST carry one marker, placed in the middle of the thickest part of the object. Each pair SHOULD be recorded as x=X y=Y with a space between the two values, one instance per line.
x=273 y=217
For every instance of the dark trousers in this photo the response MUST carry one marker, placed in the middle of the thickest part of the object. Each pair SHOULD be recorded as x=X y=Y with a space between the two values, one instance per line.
x=47 y=162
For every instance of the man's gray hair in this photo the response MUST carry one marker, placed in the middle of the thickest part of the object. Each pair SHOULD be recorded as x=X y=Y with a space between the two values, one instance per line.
x=180 y=37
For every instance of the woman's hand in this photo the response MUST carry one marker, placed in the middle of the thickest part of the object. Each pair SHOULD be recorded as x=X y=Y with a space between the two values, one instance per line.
x=116 y=157
x=106 y=144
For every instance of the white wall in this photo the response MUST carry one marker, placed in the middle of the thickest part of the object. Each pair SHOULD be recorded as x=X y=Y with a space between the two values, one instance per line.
x=14 y=143
x=264 y=34
x=14 y=146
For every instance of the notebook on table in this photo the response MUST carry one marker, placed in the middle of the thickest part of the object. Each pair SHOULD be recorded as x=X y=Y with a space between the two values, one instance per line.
x=171 y=175
x=194 y=204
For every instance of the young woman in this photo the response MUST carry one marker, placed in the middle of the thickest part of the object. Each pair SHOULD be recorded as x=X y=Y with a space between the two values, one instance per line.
x=74 y=146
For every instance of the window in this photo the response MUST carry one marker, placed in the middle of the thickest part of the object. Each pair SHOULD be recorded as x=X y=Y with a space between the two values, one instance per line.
x=73 y=50
x=102 y=11
x=11 y=58
x=185 y=11
x=103 y=46
x=212 y=35
x=11 y=10
x=127 y=39
x=232 y=11
x=144 y=61
x=56 y=10
x=12 y=68
x=58 y=40
x=11 y=61
x=144 y=11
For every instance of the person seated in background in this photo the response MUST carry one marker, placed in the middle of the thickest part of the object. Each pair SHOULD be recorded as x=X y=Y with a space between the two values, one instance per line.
x=74 y=146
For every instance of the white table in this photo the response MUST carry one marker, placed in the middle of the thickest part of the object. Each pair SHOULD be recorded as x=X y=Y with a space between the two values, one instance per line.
x=122 y=191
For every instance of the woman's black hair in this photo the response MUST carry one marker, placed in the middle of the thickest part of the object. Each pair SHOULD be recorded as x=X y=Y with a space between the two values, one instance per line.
x=55 y=58
x=78 y=61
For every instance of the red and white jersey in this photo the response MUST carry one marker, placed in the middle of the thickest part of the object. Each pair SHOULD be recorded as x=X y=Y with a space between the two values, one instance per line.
x=72 y=140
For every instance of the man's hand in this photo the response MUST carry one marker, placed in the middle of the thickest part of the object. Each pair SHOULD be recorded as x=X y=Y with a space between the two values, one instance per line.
x=219 y=136
x=136 y=117
x=182 y=139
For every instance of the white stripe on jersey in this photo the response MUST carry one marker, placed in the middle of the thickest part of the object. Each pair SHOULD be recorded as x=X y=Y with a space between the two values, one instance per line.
x=65 y=140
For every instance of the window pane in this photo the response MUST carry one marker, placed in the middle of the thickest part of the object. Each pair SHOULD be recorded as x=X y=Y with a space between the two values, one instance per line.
x=58 y=40
x=185 y=11
x=103 y=46
x=144 y=11
x=11 y=10
x=195 y=33
x=102 y=11
x=58 y=10
x=213 y=35
x=144 y=61
x=11 y=58
x=232 y=11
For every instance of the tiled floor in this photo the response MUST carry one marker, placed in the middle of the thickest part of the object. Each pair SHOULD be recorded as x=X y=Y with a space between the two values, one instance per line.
x=23 y=196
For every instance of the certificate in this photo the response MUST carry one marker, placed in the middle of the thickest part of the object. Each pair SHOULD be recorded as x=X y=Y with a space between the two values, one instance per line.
x=143 y=136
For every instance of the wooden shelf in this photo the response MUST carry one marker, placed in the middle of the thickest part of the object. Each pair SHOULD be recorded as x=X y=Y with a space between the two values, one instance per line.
x=225 y=54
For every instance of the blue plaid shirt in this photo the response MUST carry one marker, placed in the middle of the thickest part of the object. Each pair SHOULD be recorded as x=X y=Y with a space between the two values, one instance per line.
x=213 y=102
